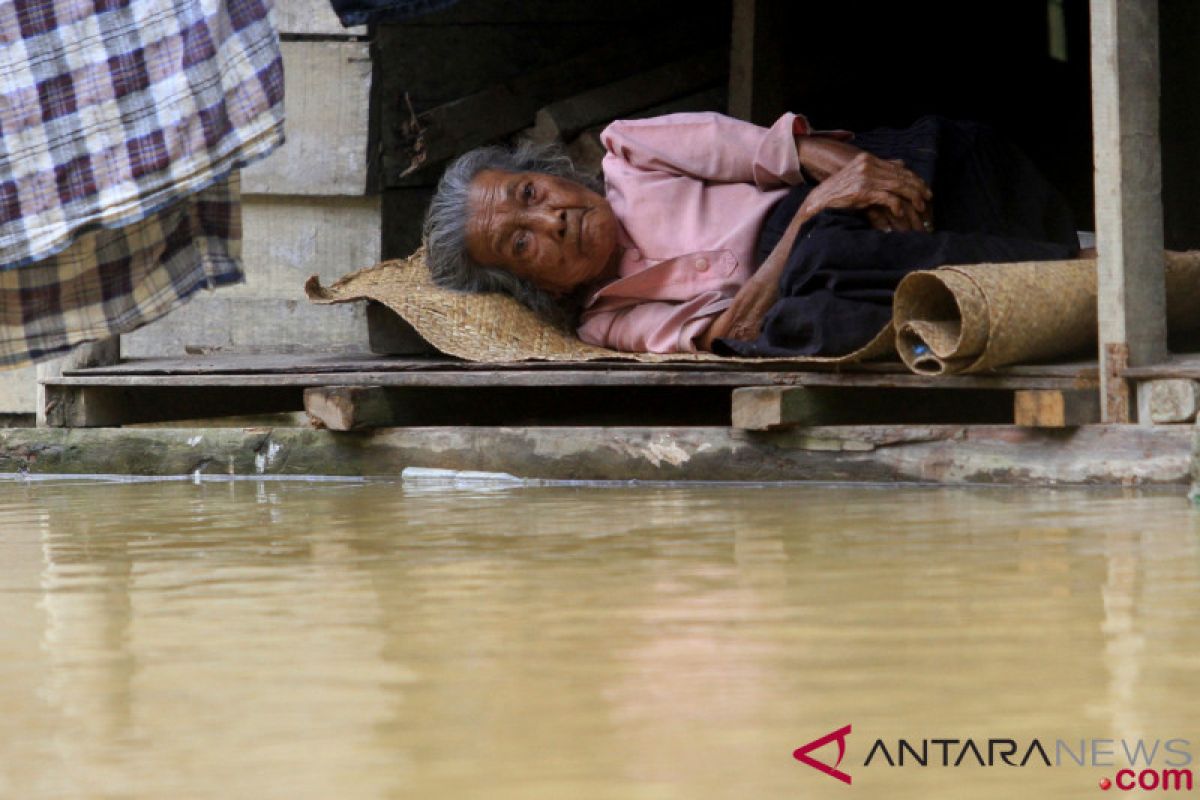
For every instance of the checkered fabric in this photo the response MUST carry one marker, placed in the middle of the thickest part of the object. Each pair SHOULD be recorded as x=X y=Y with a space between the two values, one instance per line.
x=122 y=123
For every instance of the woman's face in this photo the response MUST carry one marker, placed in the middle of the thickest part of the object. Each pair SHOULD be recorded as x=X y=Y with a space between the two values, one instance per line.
x=550 y=230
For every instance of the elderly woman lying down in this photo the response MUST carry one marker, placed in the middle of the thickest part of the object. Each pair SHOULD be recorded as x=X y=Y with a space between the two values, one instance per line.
x=715 y=234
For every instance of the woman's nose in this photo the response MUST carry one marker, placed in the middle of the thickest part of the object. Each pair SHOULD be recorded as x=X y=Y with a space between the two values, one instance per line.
x=548 y=220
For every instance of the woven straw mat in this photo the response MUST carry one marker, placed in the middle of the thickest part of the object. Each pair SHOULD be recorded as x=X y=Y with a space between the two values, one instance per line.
x=494 y=328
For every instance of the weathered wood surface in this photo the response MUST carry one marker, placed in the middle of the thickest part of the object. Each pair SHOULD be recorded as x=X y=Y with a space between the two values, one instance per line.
x=768 y=408
x=111 y=406
x=415 y=146
x=348 y=408
x=328 y=87
x=757 y=48
x=311 y=18
x=1042 y=408
x=1129 y=217
x=18 y=391
x=1178 y=365
x=214 y=322
x=287 y=239
x=1079 y=374
x=1168 y=401
x=565 y=118
x=423 y=374
x=948 y=454
x=102 y=353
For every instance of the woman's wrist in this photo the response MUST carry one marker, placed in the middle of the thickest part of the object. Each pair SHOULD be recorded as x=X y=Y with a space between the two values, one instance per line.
x=821 y=157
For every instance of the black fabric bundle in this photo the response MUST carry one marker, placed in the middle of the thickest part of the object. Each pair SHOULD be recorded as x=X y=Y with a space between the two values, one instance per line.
x=990 y=204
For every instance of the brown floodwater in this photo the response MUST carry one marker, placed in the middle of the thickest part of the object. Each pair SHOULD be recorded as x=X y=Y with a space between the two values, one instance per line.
x=376 y=640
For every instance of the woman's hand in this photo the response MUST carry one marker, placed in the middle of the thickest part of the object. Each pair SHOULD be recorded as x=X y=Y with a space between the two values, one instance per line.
x=744 y=318
x=892 y=196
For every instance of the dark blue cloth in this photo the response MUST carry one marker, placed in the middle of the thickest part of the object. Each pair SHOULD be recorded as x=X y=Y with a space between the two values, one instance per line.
x=990 y=205
x=363 y=12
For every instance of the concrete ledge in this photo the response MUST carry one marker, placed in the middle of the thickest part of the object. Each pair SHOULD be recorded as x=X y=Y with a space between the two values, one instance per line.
x=1089 y=455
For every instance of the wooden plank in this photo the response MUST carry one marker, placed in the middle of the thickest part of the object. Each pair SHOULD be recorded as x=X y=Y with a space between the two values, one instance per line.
x=1178 y=365
x=18 y=391
x=563 y=119
x=287 y=239
x=111 y=406
x=214 y=322
x=311 y=18
x=1129 y=218
x=102 y=353
x=348 y=408
x=328 y=87
x=767 y=408
x=549 y=377
x=1170 y=400
x=1077 y=375
x=1039 y=408
x=756 y=55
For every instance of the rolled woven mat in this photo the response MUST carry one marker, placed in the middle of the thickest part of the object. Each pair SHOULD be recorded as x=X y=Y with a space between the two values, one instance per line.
x=982 y=316
x=494 y=328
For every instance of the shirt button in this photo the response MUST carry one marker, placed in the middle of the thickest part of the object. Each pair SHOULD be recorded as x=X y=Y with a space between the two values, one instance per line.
x=701 y=264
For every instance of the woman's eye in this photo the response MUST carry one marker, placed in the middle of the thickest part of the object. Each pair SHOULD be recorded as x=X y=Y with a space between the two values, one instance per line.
x=520 y=243
x=527 y=192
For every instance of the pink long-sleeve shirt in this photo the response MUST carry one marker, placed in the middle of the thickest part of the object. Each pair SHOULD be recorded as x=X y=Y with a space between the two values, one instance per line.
x=691 y=192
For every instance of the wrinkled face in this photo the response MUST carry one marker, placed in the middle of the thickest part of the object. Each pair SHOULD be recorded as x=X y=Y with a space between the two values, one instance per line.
x=550 y=230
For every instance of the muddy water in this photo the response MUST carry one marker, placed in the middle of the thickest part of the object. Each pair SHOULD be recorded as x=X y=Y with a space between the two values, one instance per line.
x=317 y=640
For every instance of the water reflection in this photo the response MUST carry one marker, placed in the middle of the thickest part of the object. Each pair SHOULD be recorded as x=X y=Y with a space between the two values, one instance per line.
x=320 y=640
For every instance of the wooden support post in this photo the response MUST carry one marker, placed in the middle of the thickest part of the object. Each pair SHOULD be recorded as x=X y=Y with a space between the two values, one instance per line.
x=1168 y=400
x=1041 y=408
x=101 y=353
x=349 y=408
x=767 y=408
x=1129 y=217
x=756 y=55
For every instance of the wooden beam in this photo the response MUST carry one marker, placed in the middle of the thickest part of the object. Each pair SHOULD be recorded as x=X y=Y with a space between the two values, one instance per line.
x=563 y=119
x=1040 y=408
x=349 y=408
x=756 y=61
x=101 y=353
x=1170 y=400
x=328 y=86
x=768 y=408
x=113 y=406
x=1129 y=218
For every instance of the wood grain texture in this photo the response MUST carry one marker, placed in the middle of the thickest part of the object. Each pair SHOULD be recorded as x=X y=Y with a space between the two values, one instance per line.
x=328 y=86
x=1040 y=408
x=348 y=408
x=311 y=18
x=1129 y=216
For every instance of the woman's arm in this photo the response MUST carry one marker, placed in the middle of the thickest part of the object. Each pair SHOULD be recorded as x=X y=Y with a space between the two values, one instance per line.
x=863 y=183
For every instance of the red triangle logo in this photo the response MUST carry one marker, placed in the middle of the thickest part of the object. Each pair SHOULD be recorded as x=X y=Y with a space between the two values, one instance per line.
x=801 y=754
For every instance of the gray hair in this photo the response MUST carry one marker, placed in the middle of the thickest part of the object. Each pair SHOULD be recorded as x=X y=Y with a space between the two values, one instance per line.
x=446 y=226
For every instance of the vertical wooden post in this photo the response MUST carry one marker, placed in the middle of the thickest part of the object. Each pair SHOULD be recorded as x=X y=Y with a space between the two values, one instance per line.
x=1129 y=217
x=756 y=91
x=100 y=353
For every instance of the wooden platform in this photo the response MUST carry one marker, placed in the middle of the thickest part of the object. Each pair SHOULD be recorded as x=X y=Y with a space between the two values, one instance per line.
x=441 y=391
